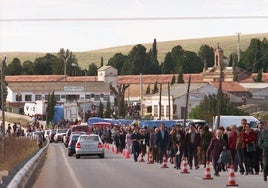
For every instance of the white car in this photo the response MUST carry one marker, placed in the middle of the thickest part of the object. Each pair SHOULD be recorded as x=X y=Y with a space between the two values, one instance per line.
x=89 y=145
x=46 y=134
x=60 y=133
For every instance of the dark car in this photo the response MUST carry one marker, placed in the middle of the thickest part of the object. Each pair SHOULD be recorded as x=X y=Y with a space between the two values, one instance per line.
x=72 y=141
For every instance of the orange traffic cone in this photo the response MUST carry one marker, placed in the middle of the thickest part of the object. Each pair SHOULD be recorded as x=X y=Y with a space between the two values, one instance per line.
x=108 y=147
x=127 y=155
x=150 y=159
x=164 y=163
x=141 y=160
x=184 y=166
x=123 y=153
x=207 y=173
x=231 y=180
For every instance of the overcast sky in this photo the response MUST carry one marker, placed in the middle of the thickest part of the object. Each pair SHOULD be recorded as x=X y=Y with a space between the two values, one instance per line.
x=18 y=33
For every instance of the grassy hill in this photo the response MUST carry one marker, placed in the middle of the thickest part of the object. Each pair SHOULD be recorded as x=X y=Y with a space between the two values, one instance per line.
x=227 y=43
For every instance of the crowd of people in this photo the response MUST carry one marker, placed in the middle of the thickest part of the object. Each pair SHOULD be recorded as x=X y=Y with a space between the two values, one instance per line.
x=243 y=147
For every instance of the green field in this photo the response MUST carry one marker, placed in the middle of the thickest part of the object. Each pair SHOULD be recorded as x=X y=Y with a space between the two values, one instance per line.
x=227 y=43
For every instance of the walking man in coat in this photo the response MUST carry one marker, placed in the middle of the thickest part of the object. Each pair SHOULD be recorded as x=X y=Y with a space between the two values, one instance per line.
x=162 y=141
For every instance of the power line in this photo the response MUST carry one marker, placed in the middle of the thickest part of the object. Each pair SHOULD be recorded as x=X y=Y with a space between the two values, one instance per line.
x=119 y=19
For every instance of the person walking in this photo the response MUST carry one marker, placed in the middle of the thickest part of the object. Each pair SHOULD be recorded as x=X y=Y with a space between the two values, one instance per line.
x=263 y=143
x=206 y=137
x=193 y=141
x=232 y=141
x=135 y=138
x=249 y=138
x=178 y=140
x=216 y=146
x=162 y=141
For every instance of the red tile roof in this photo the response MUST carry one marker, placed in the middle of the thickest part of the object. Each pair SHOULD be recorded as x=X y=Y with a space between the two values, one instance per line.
x=230 y=86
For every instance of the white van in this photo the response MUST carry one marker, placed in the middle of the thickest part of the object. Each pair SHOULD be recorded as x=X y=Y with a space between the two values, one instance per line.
x=29 y=109
x=227 y=121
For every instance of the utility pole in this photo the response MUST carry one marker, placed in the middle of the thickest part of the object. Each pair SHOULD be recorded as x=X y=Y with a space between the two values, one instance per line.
x=141 y=95
x=186 y=105
x=238 y=47
x=3 y=104
x=168 y=101
x=219 y=97
x=160 y=96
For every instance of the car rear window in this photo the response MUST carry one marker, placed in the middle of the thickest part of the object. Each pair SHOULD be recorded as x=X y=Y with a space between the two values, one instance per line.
x=89 y=138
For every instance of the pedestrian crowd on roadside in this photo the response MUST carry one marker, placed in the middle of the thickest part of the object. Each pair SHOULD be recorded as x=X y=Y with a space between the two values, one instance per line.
x=242 y=147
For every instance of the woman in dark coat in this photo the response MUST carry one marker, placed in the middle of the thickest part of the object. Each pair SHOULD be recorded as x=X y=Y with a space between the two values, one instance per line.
x=216 y=146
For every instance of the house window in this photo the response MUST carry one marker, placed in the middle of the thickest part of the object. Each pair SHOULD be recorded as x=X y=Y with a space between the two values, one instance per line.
x=105 y=97
x=88 y=96
x=155 y=110
x=62 y=96
x=96 y=98
x=46 y=97
x=38 y=97
x=57 y=97
x=18 y=97
x=28 y=97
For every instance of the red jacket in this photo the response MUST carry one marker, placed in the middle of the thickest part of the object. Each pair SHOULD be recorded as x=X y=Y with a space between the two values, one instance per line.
x=248 y=137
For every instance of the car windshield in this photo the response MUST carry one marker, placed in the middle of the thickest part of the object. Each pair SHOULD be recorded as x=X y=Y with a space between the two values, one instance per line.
x=75 y=137
x=61 y=131
x=89 y=138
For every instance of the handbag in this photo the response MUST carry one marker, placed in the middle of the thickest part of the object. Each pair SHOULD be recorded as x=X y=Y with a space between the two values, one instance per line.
x=251 y=147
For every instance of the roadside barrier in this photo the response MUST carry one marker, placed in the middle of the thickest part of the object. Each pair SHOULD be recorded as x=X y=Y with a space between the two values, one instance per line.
x=164 y=163
x=184 y=166
x=231 y=179
x=23 y=176
x=207 y=172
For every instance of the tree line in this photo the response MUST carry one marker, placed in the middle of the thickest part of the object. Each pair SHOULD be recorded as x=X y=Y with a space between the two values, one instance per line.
x=140 y=60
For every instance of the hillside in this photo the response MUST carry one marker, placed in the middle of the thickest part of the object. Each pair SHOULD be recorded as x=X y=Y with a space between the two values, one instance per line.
x=227 y=43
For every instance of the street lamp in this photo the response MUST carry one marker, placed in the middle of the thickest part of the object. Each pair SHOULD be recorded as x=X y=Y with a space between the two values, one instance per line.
x=85 y=89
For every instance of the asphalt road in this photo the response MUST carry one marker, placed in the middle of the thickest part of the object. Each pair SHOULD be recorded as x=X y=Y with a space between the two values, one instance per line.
x=115 y=171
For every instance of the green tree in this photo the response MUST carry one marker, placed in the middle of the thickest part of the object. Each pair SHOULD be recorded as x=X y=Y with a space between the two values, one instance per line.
x=66 y=58
x=92 y=70
x=148 y=90
x=108 y=110
x=118 y=61
x=51 y=103
x=173 y=80
x=119 y=92
x=101 y=64
x=28 y=68
x=180 y=76
x=154 y=64
x=207 y=109
x=43 y=65
x=14 y=68
x=155 y=90
x=167 y=67
x=191 y=63
x=206 y=54
x=137 y=57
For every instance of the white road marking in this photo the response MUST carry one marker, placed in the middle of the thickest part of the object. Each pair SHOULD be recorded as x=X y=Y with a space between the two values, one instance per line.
x=73 y=176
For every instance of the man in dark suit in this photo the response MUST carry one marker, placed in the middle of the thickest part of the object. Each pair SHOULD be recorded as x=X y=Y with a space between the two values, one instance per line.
x=162 y=141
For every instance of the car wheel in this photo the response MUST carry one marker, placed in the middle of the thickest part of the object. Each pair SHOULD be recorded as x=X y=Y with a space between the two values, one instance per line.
x=77 y=156
x=70 y=154
x=101 y=155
